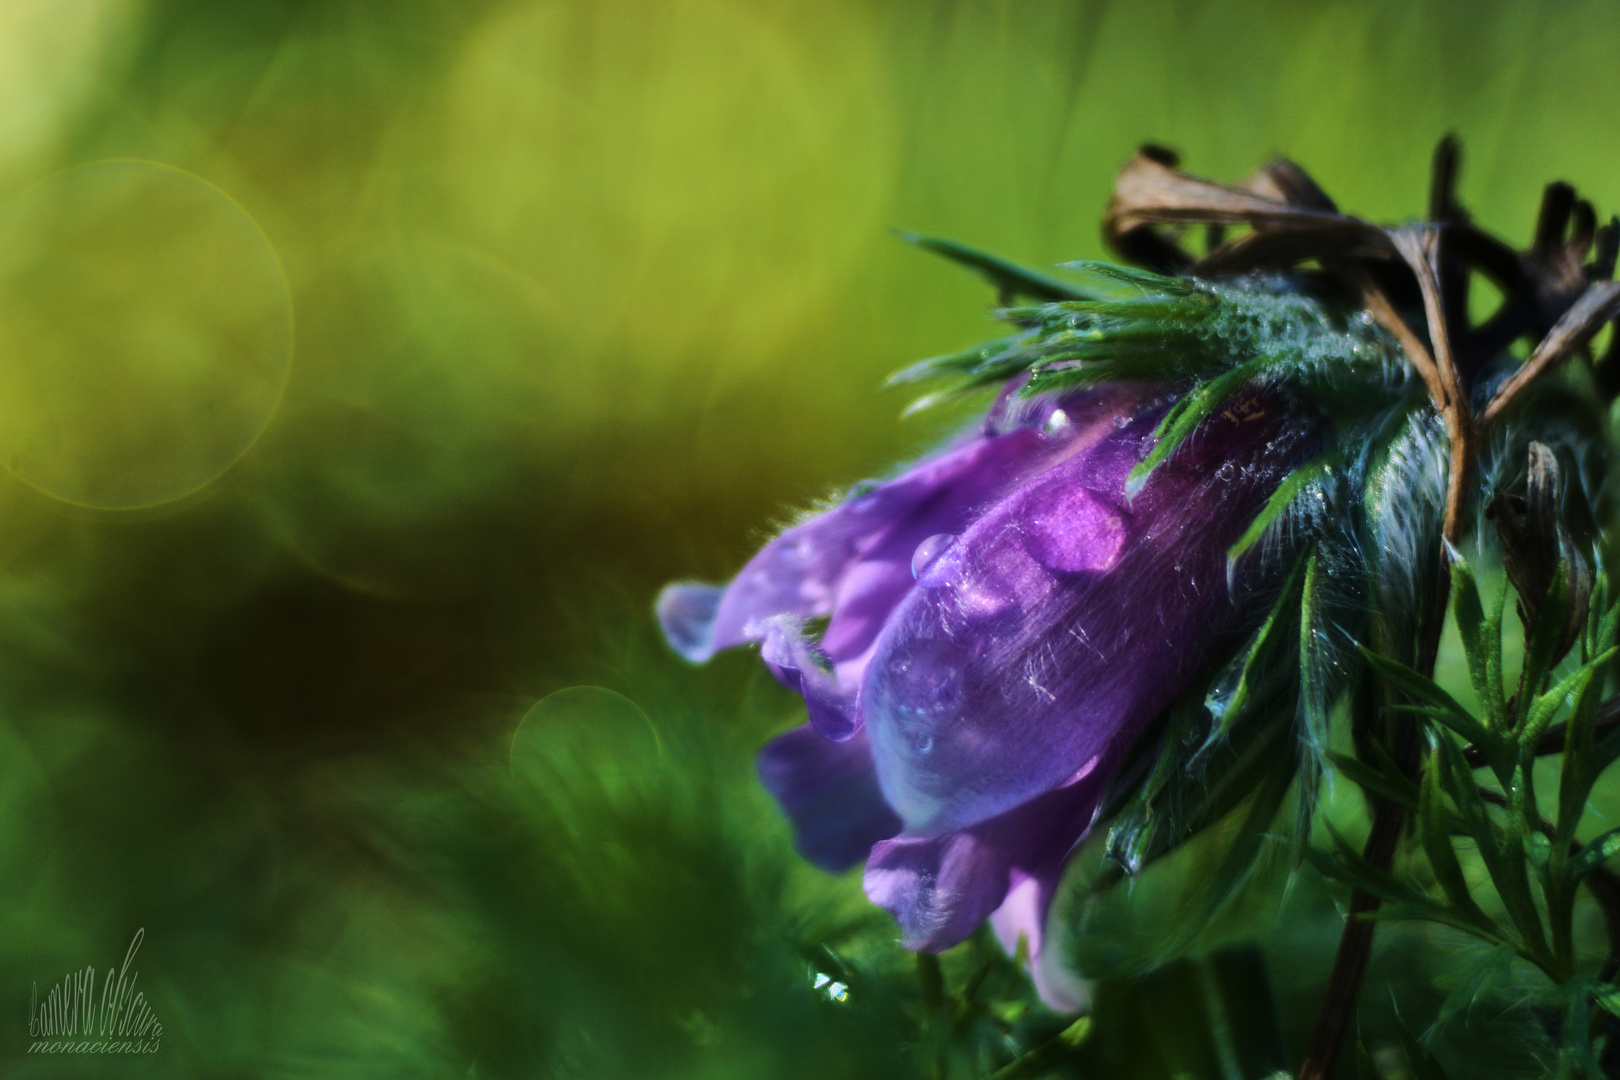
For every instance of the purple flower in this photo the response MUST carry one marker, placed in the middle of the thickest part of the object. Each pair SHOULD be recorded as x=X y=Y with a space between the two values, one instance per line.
x=1003 y=620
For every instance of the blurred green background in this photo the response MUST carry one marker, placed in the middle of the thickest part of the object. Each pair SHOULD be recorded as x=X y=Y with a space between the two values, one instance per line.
x=366 y=366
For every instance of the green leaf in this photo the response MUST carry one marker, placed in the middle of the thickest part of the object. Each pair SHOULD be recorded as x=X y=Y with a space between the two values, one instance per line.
x=1006 y=276
x=1477 y=641
x=1431 y=911
x=1346 y=864
x=1194 y=307
x=1543 y=642
x=1502 y=852
x=1491 y=639
x=1187 y=795
x=1188 y=415
x=1385 y=785
x=1607 y=995
x=959 y=363
x=1424 y=1064
x=1313 y=691
x=1576 y=776
x=1595 y=854
x=1546 y=705
x=1436 y=838
x=1281 y=499
x=1154 y=363
x=1439 y=706
x=1048 y=1055
x=1257 y=658
x=1245 y=848
x=1610 y=626
x=1130 y=277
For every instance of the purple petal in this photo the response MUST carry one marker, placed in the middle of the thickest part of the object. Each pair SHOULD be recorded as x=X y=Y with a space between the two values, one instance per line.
x=830 y=793
x=799 y=664
x=1022 y=916
x=686 y=612
x=940 y=888
x=854 y=562
x=1064 y=618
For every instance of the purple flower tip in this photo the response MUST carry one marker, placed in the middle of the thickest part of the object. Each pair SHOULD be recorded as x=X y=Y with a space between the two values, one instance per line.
x=686 y=614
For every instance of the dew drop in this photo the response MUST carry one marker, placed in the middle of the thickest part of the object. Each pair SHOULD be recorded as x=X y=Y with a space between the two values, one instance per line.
x=1226 y=472
x=860 y=489
x=799 y=552
x=919 y=689
x=929 y=551
x=1072 y=530
x=1057 y=425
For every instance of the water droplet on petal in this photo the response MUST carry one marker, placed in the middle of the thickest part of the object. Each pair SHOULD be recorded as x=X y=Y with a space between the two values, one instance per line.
x=928 y=553
x=798 y=552
x=1072 y=530
x=1226 y=472
x=1057 y=425
x=860 y=489
x=919 y=689
x=1122 y=421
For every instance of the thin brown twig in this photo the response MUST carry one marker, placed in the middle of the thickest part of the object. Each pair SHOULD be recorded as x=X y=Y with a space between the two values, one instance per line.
x=1417 y=353
x=1597 y=305
x=1420 y=247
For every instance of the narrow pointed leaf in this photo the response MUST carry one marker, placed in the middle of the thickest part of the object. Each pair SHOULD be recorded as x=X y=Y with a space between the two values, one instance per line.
x=1543 y=641
x=1347 y=864
x=1004 y=275
x=1425 y=1066
x=1491 y=643
x=1198 y=406
x=1313 y=694
x=1257 y=659
x=1395 y=789
x=1595 y=854
x=1281 y=499
x=1474 y=629
x=1501 y=850
x=1436 y=838
x=1546 y=705
x=958 y=363
x=1129 y=277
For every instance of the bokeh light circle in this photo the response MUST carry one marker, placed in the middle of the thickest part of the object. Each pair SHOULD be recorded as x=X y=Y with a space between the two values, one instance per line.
x=145 y=334
x=586 y=737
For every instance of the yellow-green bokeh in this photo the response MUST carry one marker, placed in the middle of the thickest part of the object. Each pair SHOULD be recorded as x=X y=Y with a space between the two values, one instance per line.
x=145 y=330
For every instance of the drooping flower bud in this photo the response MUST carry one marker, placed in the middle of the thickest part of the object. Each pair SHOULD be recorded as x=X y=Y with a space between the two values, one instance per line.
x=1003 y=621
